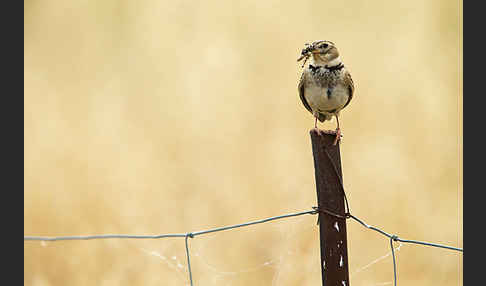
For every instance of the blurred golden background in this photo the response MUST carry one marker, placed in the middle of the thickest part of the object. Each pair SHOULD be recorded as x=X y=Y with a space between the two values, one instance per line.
x=150 y=117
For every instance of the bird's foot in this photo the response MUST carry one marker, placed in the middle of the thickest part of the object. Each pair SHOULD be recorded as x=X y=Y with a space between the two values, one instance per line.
x=336 y=132
x=338 y=136
x=330 y=132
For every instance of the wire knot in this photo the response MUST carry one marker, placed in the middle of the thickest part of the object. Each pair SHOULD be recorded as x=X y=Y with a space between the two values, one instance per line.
x=394 y=237
x=190 y=234
x=322 y=210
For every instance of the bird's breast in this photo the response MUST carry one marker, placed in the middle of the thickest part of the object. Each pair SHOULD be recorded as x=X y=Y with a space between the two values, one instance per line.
x=326 y=98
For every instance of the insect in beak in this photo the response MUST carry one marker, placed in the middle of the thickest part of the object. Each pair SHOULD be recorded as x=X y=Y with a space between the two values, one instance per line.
x=301 y=57
x=305 y=54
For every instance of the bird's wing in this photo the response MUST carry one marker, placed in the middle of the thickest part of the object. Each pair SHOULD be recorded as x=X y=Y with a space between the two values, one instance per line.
x=301 y=92
x=348 y=81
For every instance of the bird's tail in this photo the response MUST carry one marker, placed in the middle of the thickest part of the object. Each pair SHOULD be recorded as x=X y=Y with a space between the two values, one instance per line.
x=323 y=117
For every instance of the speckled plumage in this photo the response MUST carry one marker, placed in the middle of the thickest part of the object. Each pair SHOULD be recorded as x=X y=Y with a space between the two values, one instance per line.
x=324 y=91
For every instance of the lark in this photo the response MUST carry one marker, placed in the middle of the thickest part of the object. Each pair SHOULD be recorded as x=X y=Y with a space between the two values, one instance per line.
x=325 y=86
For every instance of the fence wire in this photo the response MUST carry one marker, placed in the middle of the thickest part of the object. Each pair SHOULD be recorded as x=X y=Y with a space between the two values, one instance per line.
x=188 y=235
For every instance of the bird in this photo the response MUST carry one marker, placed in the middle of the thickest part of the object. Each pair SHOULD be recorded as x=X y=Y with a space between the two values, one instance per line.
x=325 y=86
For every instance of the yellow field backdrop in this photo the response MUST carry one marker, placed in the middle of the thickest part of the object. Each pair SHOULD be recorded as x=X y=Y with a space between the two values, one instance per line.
x=150 y=117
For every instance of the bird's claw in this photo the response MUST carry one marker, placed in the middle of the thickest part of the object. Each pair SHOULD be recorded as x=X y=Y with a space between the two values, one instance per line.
x=336 y=132
x=338 y=136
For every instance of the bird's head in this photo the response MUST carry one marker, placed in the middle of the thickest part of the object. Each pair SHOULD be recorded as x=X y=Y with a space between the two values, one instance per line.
x=322 y=52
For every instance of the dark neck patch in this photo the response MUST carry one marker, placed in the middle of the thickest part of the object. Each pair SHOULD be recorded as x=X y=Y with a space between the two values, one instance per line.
x=335 y=68
x=314 y=69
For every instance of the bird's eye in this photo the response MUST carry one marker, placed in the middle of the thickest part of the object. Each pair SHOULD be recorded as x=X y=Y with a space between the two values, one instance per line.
x=324 y=46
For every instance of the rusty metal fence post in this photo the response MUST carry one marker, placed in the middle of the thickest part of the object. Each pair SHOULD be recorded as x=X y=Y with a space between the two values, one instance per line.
x=331 y=207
